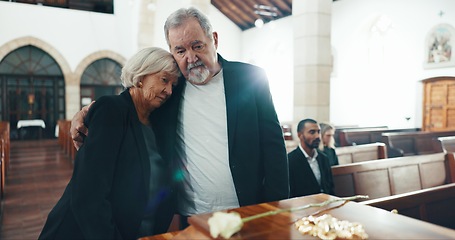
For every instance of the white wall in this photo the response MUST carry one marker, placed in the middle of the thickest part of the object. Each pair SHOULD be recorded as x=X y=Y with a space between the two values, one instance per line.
x=376 y=80
x=271 y=48
x=77 y=34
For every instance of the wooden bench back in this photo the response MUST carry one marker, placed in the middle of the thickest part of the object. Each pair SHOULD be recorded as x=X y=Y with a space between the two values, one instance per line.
x=434 y=205
x=360 y=153
x=2 y=172
x=4 y=156
x=350 y=137
x=386 y=177
x=5 y=135
x=447 y=144
x=413 y=143
x=343 y=140
x=287 y=131
x=339 y=142
x=64 y=138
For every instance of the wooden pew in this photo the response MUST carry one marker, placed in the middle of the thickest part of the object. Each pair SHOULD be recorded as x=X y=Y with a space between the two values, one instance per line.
x=338 y=128
x=360 y=153
x=391 y=176
x=2 y=177
x=340 y=140
x=412 y=143
x=4 y=154
x=352 y=154
x=2 y=172
x=434 y=205
x=4 y=158
x=64 y=138
x=5 y=135
x=447 y=144
x=287 y=131
x=350 y=137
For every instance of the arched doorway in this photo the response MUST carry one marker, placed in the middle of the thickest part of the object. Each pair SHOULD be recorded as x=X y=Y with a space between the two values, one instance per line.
x=32 y=88
x=102 y=77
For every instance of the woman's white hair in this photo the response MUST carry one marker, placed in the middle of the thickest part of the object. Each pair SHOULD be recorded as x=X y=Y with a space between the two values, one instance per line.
x=148 y=61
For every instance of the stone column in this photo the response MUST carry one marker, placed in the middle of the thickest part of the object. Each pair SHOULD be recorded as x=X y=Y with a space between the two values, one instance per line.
x=312 y=59
x=146 y=24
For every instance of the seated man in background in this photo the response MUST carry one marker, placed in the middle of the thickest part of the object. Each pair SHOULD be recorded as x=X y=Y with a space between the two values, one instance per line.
x=309 y=168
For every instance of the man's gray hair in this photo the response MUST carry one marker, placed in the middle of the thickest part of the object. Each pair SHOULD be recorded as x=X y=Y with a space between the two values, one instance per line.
x=179 y=17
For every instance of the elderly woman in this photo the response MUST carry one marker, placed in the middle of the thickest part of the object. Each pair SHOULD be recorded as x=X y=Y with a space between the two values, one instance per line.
x=120 y=188
x=327 y=144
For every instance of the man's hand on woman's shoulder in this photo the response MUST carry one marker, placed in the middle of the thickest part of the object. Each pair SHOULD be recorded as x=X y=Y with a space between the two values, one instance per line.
x=78 y=130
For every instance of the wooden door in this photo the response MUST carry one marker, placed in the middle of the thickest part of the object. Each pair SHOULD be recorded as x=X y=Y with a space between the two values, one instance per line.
x=439 y=104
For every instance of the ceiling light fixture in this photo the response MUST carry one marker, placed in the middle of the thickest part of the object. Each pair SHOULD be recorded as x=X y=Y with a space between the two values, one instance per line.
x=265 y=13
x=265 y=7
x=259 y=23
x=263 y=10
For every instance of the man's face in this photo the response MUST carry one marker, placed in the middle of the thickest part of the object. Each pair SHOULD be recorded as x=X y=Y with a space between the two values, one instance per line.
x=310 y=135
x=194 y=52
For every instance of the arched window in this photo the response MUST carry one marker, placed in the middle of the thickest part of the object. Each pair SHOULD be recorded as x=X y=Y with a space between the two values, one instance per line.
x=101 y=77
x=32 y=87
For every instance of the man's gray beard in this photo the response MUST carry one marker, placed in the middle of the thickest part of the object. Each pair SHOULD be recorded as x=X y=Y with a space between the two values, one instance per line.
x=198 y=75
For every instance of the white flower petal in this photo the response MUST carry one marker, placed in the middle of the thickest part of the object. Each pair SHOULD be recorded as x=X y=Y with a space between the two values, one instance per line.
x=225 y=224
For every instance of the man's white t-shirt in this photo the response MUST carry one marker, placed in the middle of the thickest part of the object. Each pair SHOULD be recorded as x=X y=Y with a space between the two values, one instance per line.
x=204 y=153
x=313 y=162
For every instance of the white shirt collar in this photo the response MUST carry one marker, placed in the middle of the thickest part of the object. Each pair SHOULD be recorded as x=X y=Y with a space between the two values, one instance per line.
x=306 y=154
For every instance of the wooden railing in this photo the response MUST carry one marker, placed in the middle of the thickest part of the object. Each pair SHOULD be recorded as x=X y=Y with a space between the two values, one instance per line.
x=447 y=144
x=340 y=140
x=4 y=158
x=350 y=137
x=361 y=153
x=434 y=205
x=413 y=143
x=387 y=177
x=64 y=138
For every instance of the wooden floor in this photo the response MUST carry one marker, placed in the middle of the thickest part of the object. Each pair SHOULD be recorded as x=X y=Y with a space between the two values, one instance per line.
x=38 y=173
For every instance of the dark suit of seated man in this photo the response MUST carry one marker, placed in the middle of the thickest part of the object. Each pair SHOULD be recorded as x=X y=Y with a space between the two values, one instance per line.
x=309 y=168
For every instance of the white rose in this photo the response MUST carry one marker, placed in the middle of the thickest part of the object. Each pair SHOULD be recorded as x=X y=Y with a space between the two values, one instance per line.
x=225 y=224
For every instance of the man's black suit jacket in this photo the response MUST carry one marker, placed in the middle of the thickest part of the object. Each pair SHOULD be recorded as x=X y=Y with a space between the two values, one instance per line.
x=301 y=177
x=257 y=153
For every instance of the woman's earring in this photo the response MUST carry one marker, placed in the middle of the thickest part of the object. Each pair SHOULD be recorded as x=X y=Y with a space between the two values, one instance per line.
x=140 y=85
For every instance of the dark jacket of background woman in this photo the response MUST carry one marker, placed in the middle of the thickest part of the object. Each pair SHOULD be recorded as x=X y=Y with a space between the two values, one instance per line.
x=331 y=155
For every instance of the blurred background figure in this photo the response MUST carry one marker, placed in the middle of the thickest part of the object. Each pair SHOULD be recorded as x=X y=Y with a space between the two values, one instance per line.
x=327 y=144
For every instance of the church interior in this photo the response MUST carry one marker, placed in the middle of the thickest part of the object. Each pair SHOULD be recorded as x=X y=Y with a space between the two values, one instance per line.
x=380 y=71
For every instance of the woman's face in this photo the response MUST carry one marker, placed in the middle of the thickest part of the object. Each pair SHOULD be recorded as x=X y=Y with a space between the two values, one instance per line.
x=157 y=88
x=327 y=136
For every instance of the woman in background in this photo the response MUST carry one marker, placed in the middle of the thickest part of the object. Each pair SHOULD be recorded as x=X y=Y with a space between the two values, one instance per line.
x=327 y=144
